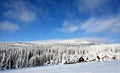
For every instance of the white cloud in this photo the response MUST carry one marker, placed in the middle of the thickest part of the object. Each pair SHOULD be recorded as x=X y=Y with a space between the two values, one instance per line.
x=86 y=5
x=69 y=27
x=97 y=25
x=110 y=24
x=21 y=10
x=8 y=26
x=27 y=16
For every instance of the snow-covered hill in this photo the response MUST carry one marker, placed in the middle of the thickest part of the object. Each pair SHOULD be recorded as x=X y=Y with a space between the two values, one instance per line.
x=70 y=41
x=87 y=67
x=52 y=52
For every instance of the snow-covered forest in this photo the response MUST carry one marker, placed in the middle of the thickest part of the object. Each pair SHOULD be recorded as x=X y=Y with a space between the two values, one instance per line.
x=31 y=54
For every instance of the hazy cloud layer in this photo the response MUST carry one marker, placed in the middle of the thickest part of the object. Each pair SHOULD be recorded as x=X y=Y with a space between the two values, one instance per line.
x=69 y=26
x=20 y=10
x=90 y=5
x=93 y=39
x=109 y=24
x=8 y=26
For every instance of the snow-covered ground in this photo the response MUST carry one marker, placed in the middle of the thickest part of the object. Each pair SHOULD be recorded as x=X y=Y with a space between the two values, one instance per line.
x=86 y=67
x=53 y=52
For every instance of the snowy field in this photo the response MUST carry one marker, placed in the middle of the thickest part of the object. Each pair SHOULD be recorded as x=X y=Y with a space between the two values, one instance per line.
x=86 y=67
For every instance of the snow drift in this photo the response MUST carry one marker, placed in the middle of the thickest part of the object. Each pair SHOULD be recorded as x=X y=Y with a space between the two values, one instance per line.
x=88 y=67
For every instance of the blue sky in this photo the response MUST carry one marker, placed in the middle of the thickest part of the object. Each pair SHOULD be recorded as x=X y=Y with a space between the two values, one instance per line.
x=31 y=20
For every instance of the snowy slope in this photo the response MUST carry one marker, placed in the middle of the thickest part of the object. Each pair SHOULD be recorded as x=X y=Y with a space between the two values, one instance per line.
x=89 y=67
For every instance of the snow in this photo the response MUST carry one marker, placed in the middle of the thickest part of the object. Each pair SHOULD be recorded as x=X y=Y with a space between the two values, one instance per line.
x=56 y=56
x=69 y=41
x=31 y=54
x=86 y=67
